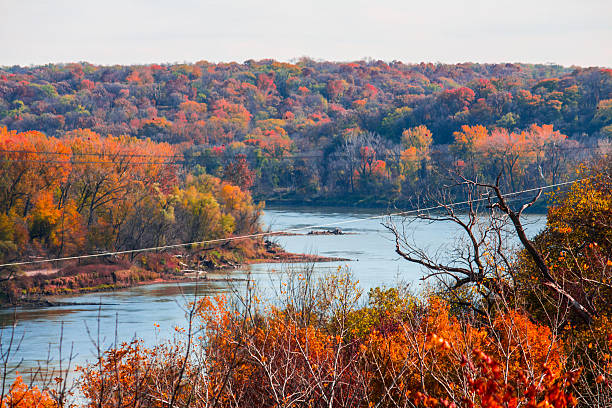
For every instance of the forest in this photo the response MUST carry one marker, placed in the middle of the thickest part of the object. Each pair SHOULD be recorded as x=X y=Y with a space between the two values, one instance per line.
x=324 y=132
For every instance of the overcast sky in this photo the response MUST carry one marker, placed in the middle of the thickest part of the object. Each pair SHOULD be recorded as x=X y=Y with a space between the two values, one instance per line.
x=567 y=32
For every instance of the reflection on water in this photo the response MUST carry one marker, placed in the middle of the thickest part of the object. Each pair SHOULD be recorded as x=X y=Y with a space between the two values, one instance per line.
x=132 y=312
x=44 y=314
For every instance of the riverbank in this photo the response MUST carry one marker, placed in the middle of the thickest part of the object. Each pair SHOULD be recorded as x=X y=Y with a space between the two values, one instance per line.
x=349 y=201
x=371 y=204
x=30 y=288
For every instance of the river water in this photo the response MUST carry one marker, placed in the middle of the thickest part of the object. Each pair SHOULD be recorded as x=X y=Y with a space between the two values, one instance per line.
x=136 y=312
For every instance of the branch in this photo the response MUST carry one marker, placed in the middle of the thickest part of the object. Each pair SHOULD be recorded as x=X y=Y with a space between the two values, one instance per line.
x=535 y=255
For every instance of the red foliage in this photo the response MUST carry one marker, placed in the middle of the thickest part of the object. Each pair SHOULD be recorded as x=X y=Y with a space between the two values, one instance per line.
x=238 y=173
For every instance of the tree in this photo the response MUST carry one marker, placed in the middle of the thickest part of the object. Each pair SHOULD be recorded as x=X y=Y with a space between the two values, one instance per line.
x=318 y=346
x=484 y=264
x=356 y=159
x=416 y=144
x=238 y=172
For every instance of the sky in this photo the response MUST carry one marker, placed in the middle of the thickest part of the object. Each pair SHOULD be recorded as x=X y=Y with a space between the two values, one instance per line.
x=566 y=32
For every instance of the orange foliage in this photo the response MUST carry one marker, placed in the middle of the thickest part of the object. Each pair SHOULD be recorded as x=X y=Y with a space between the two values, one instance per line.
x=193 y=107
x=272 y=142
x=358 y=103
x=238 y=172
x=21 y=395
x=394 y=352
x=86 y=191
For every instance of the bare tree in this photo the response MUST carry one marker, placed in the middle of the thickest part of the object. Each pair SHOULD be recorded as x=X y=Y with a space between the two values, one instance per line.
x=489 y=219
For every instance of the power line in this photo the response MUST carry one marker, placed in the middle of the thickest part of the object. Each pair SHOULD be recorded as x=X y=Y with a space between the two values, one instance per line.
x=186 y=159
x=214 y=155
x=194 y=159
x=88 y=154
x=263 y=234
x=86 y=162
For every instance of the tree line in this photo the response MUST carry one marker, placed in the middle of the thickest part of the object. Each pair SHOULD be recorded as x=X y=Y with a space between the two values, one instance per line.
x=351 y=117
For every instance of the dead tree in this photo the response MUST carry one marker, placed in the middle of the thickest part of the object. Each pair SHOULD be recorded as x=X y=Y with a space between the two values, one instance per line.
x=482 y=258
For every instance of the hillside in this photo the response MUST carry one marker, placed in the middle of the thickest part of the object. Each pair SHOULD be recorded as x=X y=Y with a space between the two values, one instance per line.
x=330 y=132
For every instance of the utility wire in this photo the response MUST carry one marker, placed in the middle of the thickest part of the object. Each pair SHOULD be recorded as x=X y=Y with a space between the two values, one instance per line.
x=87 y=162
x=213 y=155
x=191 y=159
x=89 y=154
x=263 y=234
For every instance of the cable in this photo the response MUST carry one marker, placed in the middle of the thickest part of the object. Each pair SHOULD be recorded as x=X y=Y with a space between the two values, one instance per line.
x=263 y=234
x=89 y=154
x=84 y=162
x=193 y=159
x=206 y=154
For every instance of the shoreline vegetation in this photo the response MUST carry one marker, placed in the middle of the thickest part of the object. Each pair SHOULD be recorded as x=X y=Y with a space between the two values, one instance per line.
x=368 y=204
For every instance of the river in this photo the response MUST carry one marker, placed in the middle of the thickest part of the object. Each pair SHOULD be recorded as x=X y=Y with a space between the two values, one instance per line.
x=136 y=311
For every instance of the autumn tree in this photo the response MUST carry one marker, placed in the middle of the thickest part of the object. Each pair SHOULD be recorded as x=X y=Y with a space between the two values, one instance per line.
x=416 y=144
